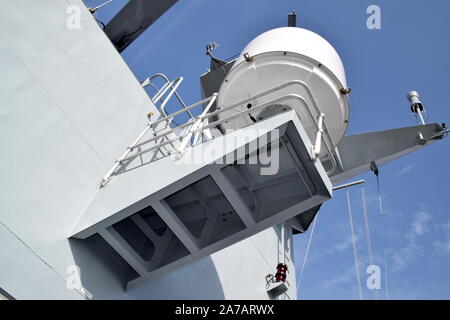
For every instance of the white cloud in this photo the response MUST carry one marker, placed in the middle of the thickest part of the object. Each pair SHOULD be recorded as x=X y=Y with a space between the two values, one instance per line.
x=406 y=169
x=413 y=248
x=446 y=226
x=345 y=244
x=419 y=226
x=403 y=257
x=347 y=276
x=443 y=246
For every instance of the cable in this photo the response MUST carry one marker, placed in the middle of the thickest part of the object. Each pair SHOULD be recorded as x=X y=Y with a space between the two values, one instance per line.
x=355 y=253
x=93 y=10
x=306 y=253
x=367 y=233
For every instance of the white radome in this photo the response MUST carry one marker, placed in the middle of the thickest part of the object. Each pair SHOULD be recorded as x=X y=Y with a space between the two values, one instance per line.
x=289 y=55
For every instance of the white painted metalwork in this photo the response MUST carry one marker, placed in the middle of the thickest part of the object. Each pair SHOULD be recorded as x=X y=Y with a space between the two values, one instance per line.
x=95 y=106
x=416 y=106
x=315 y=149
x=200 y=125
x=297 y=40
x=348 y=185
x=173 y=85
x=282 y=55
x=124 y=155
x=309 y=112
x=166 y=133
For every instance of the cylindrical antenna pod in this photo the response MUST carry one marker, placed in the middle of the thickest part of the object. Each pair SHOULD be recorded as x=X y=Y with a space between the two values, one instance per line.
x=414 y=98
x=416 y=105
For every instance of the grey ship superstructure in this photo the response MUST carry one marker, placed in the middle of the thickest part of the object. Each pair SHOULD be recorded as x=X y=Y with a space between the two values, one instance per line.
x=103 y=195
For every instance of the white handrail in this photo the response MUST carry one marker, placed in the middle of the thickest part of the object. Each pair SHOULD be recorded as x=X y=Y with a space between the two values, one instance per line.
x=199 y=125
x=148 y=80
x=195 y=126
x=124 y=155
x=216 y=123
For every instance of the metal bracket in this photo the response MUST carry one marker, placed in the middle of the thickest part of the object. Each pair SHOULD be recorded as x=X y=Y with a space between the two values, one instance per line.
x=247 y=57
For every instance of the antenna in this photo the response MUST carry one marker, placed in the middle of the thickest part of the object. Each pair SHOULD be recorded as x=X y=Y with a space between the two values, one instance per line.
x=210 y=47
x=417 y=107
x=292 y=19
x=215 y=62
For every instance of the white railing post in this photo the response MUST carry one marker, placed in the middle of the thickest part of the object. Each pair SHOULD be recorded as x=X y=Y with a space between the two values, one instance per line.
x=188 y=135
x=315 y=149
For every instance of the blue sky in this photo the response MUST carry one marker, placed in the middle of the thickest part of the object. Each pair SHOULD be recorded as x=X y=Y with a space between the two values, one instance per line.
x=410 y=52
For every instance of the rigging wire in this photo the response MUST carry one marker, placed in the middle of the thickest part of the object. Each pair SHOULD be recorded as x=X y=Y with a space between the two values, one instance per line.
x=94 y=9
x=375 y=170
x=306 y=252
x=367 y=233
x=355 y=252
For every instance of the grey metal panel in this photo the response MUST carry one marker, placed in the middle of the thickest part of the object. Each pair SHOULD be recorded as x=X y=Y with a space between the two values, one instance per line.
x=63 y=123
x=233 y=196
x=21 y=268
x=132 y=186
x=4 y=295
x=357 y=151
x=133 y=19
x=131 y=192
x=68 y=104
x=218 y=277
x=302 y=222
x=210 y=81
x=121 y=246
x=175 y=225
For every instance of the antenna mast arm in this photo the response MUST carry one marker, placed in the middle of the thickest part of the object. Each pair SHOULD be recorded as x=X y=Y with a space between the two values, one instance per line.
x=359 y=150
